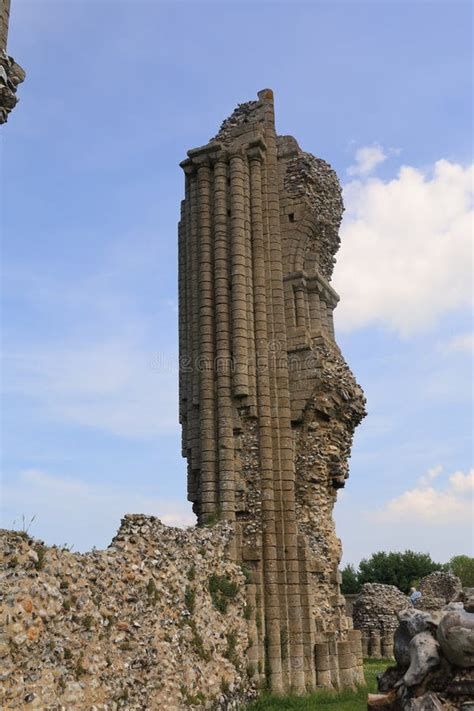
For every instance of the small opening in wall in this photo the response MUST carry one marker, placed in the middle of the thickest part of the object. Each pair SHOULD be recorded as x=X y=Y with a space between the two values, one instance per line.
x=228 y=181
x=291 y=217
x=228 y=213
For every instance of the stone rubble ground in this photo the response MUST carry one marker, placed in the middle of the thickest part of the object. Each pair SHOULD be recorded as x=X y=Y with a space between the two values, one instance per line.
x=134 y=626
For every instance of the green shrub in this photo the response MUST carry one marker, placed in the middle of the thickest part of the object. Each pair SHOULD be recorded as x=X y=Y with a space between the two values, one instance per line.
x=152 y=592
x=190 y=599
x=247 y=573
x=222 y=590
x=88 y=621
x=198 y=643
x=231 y=651
x=40 y=551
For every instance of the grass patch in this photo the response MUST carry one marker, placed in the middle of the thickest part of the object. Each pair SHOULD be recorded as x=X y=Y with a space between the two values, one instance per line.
x=198 y=643
x=222 y=590
x=326 y=700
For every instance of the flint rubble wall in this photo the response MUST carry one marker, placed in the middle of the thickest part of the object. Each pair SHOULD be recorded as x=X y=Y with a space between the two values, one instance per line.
x=156 y=621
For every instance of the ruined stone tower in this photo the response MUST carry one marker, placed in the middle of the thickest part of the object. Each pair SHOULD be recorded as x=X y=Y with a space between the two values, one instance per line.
x=268 y=405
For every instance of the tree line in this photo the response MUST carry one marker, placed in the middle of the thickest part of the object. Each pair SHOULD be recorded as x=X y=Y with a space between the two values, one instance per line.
x=404 y=570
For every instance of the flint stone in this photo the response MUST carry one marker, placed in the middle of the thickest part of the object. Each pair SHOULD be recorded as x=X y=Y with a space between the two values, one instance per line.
x=456 y=637
x=424 y=656
x=412 y=622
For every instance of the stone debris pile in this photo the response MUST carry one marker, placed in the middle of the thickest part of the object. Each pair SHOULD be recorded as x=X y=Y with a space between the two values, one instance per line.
x=434 y=653
x=156 y=621
x=375 y=614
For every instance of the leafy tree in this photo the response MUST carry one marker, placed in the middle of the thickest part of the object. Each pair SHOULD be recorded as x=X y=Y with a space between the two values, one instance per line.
x=400 y=569
x=463 y=567
x=350 y=584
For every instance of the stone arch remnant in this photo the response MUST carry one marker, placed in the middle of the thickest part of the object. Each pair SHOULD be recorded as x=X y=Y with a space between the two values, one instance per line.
x=268 y=405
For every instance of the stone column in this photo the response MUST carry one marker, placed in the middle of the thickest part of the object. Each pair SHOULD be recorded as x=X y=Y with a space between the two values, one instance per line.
x=182 y=330
x=355 y=641
x=346 y=664
x=375 y=645
x=287 y=514
x=315 y=311
x=190 y=312
x=269 y=542
x=324 y=315
x=333 y=661
x=387 y=645
x=209 y=485
x=223 y=343
x=308 y=623
x=239 y=276
x=300 y=305
x=251 y=357
x=322 y=664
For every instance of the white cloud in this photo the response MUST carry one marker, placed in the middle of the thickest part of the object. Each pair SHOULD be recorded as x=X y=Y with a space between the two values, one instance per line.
x=463 y=343
x=366 y=159
x=426 y=504
x=430 y=475
x=462 y=483
x=80 y=512
x=406 y=256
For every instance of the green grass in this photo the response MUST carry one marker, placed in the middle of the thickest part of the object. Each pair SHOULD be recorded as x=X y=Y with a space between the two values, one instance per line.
x=326 y=700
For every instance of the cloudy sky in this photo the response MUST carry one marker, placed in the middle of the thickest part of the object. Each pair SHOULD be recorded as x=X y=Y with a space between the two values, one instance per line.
x=115 y=94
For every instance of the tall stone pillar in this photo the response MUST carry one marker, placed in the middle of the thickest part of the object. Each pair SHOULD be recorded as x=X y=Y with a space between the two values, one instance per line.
x=11 y=74
x=267 y=404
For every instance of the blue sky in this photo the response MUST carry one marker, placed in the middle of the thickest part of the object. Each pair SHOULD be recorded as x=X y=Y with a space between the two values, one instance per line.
x=115 y=94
